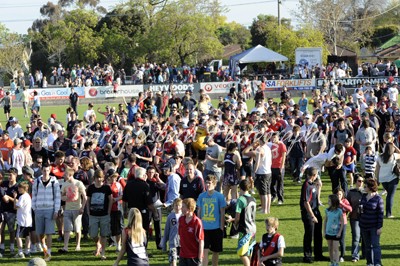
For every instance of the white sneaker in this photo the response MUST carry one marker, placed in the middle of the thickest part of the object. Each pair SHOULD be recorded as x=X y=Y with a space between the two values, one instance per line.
x=39 y=247
x=280 y=202
x=19 y=255
x=341 y=259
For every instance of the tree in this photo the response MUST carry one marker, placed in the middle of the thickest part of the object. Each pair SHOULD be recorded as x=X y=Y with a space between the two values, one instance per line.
x=259 y=35
x=14 y=52
x=285 y=39
x=234 y=33
x=82 y=41
x=343 y=22
x=183 y=33
x=382 y=34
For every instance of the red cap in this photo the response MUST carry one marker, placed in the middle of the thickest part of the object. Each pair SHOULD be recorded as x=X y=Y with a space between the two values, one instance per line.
x=226 y=123
x=54 y=116
x=27 y=143
x=139 y=120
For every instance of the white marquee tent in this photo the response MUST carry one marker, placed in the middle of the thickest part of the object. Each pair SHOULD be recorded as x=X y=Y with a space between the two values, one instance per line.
x=254 y=55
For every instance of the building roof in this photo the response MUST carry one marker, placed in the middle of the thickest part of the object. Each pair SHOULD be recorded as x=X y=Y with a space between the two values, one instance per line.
x=393 y=41
x=392 y=52
x=341 y=51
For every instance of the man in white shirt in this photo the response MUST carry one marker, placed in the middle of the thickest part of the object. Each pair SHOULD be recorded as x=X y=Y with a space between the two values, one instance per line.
x=393 y=92
x=14 y=130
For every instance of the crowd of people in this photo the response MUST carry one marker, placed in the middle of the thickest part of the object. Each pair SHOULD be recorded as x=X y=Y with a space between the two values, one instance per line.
x=203 y=163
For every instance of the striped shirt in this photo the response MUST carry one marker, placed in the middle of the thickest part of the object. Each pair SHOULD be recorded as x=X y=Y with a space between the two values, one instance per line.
x=43 y=197
x=369 y=163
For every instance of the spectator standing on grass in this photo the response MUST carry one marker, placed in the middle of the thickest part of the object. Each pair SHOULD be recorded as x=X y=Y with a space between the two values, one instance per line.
x=171 y=233
x=311 y=218
x=272 y=244
x=211 y=210
x=333 y=226
x=134 y=241
x=23 y=205
x=25 y=101
x=36 y=102
x=244 y=222
x=345 y=206
x=74 y=100
x=8 y=212
x=191 y=235
x=371 y=222
x=7 y=104
x=354 y=198
x=73 y=192
x=46 y=203
x=99 y=197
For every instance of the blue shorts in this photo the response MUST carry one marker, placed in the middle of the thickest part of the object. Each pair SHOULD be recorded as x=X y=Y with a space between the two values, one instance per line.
x=44 y=222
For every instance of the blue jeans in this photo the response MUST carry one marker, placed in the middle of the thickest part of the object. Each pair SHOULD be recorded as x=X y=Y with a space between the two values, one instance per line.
x=296 y=163
x=372 y=246
x=390 y=187
x=342 y=241
x=356 y=240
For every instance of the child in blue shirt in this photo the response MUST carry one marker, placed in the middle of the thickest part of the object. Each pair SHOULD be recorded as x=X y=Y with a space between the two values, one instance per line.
x=333 y=226
x=171 y=233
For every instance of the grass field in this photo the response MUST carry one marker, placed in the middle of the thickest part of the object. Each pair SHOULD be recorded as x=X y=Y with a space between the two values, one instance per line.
x=288 y=213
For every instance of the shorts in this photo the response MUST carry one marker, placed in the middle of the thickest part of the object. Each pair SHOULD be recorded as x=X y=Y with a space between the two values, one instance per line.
x=350 y=168
x=99 y=222
x=116 y=228
x=44 y=222
x=23 y=232
x=9 y=220
x=246 y=243
x=7 y=109
x=263 y=184
x=72 y=219
x=201 y=155
x=213 y=240
x=329 y=237
x=247 y=167
x=173 y=254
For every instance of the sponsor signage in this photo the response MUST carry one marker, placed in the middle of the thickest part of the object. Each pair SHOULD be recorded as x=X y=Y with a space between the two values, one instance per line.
x=56 y=93
x=178 y=88
x=217 y=87
x=353 y=82
x=291 y=84
x=108 y=91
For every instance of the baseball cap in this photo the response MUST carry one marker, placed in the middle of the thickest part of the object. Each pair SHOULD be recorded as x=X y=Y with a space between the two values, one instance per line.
x=27 y=143
x=28 y=170
x=13 y=170
x=166 y=166
x=54 y=116
x=12 y=119
x=308 y=116
x=139 y=120
x=110 y=172
x=365 y=114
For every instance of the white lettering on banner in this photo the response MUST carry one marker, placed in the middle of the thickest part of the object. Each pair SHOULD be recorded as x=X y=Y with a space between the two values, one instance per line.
x=289 y=83
x=108 y=91
x=175 y=87
x=353 y=82
x=217 y=87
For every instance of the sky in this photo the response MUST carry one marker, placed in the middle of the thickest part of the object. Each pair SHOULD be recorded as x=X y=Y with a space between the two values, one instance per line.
x=18 y=15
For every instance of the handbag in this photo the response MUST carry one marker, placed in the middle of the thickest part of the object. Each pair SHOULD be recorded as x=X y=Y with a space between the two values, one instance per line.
x=396 y=168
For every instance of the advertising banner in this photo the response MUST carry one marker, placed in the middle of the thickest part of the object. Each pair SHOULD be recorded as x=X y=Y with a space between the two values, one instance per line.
x=108 y=91
x=353 y=82
x=217 y=87
x=291 y=84
x=56 y=93
x=178 y=88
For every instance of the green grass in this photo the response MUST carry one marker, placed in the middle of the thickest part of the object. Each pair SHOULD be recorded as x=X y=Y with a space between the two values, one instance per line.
x=291 y=227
